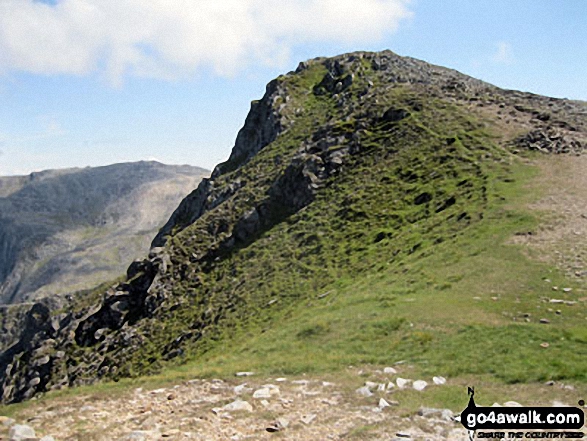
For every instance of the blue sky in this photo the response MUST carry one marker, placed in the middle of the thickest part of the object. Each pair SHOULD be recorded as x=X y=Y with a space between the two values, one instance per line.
x=94 y=82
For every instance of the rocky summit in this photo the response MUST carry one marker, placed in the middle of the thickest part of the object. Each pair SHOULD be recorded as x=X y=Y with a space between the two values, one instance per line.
x=347 y=170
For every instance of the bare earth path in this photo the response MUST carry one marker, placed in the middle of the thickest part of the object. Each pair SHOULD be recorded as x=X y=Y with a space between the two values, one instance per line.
x=561 y=238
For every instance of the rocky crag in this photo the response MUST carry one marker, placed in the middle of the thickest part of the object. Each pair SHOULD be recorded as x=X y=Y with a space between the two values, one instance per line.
x=343 y=167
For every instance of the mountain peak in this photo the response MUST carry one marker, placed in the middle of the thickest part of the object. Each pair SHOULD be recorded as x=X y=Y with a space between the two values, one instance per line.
x=346 y=170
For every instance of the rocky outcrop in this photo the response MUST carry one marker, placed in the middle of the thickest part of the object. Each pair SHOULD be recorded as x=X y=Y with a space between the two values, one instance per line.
x=262 y=126
x=551 y=140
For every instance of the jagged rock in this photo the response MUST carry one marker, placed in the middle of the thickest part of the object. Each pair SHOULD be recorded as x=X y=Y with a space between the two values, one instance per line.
x=550 y=140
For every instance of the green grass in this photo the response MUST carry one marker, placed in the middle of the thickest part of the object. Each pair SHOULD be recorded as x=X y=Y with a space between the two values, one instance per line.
x=435 y=309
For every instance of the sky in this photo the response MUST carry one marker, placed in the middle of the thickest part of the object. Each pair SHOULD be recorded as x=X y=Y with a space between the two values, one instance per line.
x=96 y=82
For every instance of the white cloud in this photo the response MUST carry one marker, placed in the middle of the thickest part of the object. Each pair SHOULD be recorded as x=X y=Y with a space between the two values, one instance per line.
x=167 y=39
x=504 y=53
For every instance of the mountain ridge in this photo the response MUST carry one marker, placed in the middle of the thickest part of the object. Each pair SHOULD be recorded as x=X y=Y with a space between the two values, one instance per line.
x=63 y=214
x=345 y=167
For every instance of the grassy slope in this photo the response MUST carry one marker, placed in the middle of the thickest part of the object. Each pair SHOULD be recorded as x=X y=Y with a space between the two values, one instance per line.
x=450 y=311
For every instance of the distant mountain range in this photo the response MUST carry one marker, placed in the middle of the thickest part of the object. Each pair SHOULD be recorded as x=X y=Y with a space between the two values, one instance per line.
x=63 y=231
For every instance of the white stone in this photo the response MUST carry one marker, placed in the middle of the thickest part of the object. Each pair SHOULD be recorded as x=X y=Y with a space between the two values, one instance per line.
x=238 y=405
x=420 y=385
x=381 y=387
x=241 y=388
x=512 y=404
x=244 y=374
x=389 y=370
x=301 y=382
x=282 y=423
x=264 y=392
x=307 y=419
x=364 y=391
x=390 y=385
x=402 y=382
x=383 y=403
x=370 y=384
x=273 y=389
x=439 y=380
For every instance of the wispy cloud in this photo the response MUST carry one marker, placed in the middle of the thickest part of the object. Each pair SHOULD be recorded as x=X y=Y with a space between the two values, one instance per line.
x=504 y=53
x=163 y=39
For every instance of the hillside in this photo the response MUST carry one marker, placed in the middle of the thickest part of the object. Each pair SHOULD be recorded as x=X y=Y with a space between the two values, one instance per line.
x=365 y=216
x=63 y=231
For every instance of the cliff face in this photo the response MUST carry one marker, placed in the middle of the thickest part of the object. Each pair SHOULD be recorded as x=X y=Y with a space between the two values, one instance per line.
x=65 y=231
x=344 y=167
